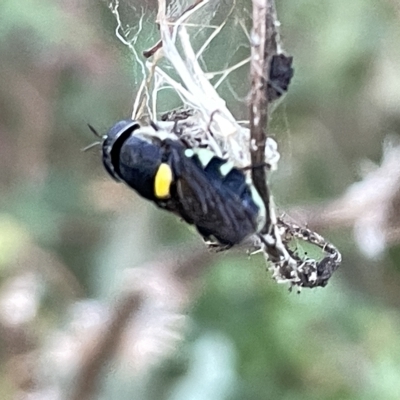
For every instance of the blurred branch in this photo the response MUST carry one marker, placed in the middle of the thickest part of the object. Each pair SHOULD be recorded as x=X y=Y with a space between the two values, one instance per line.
x=370 y=206
x=96 y=357
x=135 y=293
x=21 y=297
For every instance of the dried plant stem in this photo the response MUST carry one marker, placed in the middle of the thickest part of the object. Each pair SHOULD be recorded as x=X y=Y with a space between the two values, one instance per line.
x=263 y=47
x=185 y=14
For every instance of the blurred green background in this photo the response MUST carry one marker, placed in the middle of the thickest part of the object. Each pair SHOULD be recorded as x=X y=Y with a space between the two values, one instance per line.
x=70 y=237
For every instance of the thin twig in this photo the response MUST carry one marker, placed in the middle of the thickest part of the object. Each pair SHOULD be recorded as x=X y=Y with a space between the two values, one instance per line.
x=263 y=47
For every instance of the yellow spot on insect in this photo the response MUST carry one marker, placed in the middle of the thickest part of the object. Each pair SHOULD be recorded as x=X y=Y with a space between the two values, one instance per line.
x=162 y=181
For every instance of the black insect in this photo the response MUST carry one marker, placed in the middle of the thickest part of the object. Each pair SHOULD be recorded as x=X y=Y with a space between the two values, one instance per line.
x=205 y=190
x=280 y=75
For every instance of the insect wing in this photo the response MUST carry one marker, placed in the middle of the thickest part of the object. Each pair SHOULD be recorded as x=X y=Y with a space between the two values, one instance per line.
x=211 y=205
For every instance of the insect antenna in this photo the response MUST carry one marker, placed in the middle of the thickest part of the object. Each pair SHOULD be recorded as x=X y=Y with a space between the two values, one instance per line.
x=96 y=143
x=95 y=132
x=90 y=146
